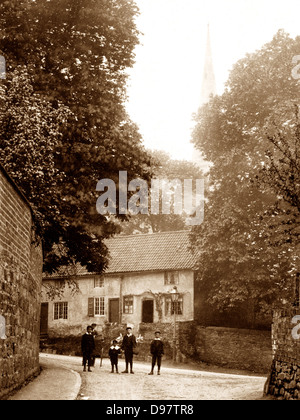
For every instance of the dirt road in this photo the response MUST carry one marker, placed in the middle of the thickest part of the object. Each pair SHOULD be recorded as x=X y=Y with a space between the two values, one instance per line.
x=172 y=384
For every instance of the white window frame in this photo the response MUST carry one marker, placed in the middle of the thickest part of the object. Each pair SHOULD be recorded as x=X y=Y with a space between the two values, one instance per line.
x=60 y=311
x=98 y=282
x=171 y=278
x=99 y=306
x=169 y=306
x=128 y=309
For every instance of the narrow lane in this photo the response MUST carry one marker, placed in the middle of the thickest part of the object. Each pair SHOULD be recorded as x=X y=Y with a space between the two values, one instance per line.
x=172 y=384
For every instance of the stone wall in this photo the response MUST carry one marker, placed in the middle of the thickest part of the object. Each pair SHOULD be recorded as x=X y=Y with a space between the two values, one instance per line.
x=20 y=287
x=234 y=348
x=167 y=334
x=284 y=380
x=231 y=348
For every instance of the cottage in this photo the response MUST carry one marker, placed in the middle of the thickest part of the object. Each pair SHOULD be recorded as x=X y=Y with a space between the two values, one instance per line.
x=135 y=288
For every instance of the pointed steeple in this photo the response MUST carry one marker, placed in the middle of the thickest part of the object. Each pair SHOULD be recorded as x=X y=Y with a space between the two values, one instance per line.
x=209 y=80
x=208 y=89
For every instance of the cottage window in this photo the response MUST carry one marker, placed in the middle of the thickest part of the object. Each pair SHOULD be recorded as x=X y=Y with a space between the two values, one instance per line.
x=96 y=307
x=171 y=277
x=171 y=307
x=99 y=306
x=128 y=305
x=60 y=310
x=99 y=282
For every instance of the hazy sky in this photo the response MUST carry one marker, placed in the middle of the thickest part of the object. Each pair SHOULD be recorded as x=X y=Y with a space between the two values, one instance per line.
x=165 y=83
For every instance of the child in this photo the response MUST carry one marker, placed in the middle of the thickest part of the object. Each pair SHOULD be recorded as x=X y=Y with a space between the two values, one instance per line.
x=88 y=347
x=128 y=346
x=157 y=351
x=114 y=352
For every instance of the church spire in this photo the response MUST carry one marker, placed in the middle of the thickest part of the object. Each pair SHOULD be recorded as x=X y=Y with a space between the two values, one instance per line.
x=209 y=81
x=208 y=89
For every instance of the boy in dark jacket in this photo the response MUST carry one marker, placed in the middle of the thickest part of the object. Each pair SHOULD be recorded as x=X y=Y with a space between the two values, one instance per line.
x=88 y=347
x=128 y=346
x=157 y=351
x=113 y=353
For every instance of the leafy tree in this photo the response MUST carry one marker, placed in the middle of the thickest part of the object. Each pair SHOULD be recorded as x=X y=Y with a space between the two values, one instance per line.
x=29 y=138
x=281 y=173
x=76 y=53
x=165 y=169
x=239 y=266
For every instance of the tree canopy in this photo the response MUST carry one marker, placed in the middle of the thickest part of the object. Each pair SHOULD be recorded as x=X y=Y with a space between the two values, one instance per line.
x=242 y=261
x=75 y=53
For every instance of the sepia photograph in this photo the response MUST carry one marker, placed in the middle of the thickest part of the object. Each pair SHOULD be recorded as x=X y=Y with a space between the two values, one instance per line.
x=149 y=203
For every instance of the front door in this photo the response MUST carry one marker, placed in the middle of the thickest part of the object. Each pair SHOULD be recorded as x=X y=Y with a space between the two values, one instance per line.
x=44 y=319
x=147 y=312
x=114 y=311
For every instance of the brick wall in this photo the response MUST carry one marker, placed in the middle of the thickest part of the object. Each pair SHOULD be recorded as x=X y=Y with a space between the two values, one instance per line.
x=284 y=380
x=20 y=287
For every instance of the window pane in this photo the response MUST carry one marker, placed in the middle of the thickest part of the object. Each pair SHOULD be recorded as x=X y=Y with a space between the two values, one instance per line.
x=128 y=305
x=99 y=306
x=65 y=310
x=178 y=308
x=60 y=310
x=171 y=307
x=99 y=282
x=56 y=311
x=171 y=277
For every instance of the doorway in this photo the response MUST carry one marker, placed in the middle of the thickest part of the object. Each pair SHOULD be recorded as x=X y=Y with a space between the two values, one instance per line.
x=148 y=311
x=44 y=319
x=114 y=310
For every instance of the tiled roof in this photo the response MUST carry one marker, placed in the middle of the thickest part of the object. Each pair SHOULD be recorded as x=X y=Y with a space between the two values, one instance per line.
x=152 y=252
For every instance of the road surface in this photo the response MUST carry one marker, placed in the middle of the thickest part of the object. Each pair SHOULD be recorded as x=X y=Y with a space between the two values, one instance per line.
x=172 y=384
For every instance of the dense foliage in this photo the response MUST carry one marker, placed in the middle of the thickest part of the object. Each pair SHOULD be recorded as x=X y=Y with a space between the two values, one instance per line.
x=66 y=127
x=249 y=242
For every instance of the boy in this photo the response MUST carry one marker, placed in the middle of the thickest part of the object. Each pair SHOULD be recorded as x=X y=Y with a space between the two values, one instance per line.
x=88 y=347
x=113 y=353
x=128 y=346
x=157 y=351
x=95 y=335
x=99 y=342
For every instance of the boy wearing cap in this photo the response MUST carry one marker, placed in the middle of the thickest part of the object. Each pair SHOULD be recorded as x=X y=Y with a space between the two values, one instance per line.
x=88 y=347
x=128 y=346
x=157 y=351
